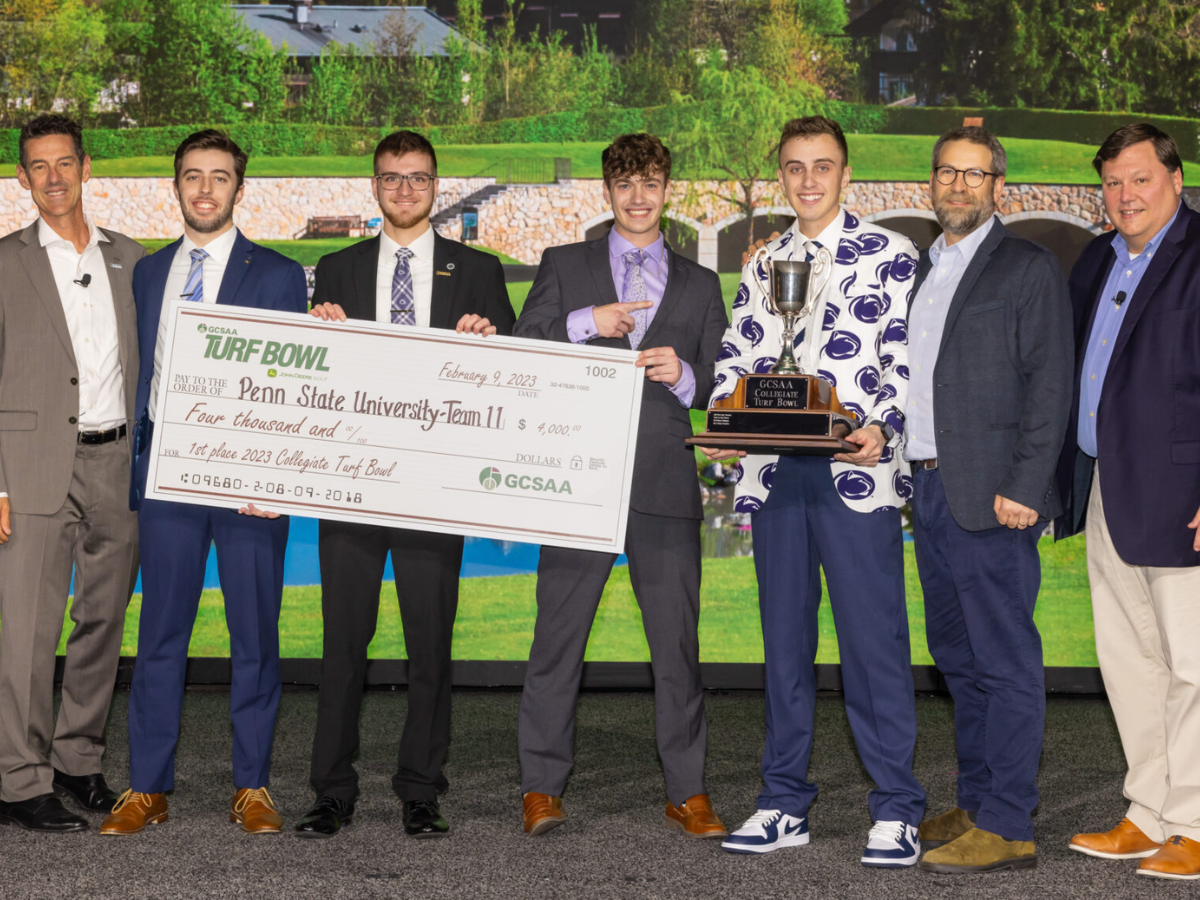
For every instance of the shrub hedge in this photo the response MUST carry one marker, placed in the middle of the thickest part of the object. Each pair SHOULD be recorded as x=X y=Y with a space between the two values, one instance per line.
x=290 y=139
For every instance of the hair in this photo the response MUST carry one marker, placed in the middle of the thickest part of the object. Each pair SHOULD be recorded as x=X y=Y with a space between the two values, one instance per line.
x=810 y=127
x=635 y=154
x=46 y=125
x=212 y=139
x=1126 y=136
x=400 y=142
x=974 y=134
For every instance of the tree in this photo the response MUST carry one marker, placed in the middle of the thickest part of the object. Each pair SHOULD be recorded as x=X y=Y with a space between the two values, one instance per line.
x=732 y=126
x=790 y=42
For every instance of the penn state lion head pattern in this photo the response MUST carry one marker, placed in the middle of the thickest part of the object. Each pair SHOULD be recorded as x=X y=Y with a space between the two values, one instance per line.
x=864 y=353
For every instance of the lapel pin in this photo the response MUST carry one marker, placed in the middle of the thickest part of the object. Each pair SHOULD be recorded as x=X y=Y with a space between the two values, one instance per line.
x=450 y=267
x=447 y=274
x=114 y=265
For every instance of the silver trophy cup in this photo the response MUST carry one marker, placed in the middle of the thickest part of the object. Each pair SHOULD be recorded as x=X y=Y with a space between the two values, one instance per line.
x=791 y=289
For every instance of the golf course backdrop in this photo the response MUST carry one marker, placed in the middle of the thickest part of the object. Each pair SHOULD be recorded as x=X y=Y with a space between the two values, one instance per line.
x=519 y=102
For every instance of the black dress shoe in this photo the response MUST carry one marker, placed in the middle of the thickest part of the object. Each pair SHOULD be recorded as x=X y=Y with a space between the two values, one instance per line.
x=89 y=791
x=325 y=819
x=422 y=818
x=42 y=813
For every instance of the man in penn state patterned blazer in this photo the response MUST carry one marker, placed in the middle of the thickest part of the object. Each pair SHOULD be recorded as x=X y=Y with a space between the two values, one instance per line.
x=212 y=263
x=628 y=289
x=1130 y=478
x=409 y=275
x=809 y=512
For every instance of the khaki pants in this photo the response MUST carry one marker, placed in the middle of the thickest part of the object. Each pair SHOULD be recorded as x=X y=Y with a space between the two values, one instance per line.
x=1148 y=642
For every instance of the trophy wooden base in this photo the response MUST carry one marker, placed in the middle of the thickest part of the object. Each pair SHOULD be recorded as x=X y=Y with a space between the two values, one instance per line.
x=773 y=444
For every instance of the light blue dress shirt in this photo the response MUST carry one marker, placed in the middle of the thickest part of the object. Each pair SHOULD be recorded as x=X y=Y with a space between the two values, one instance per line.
x=1125 y=275
x=581 y=325
x=926 y=323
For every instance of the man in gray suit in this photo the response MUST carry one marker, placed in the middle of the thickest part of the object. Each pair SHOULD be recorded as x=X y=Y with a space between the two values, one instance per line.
x=629 y=290
x=990 y=353
x=68 y=370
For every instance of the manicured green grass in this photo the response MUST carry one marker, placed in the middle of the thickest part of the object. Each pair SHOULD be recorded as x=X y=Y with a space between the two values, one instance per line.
x=496 y=617
x=873 y=157
x=307 y=252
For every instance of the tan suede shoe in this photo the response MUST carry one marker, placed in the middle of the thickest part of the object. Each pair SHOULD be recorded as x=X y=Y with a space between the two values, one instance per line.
x=541 y=812
x=979 y=851
x=695 y=818
x=133 y=812
x=1126 y=841
x=944 y=828
x=254 y=810
x=1179 y=858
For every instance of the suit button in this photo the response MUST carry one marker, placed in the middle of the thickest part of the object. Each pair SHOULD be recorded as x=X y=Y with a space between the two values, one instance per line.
x=74 y=381
x=72 y=420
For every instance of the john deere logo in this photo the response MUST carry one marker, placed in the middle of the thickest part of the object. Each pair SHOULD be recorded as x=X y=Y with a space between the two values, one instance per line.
x=271 y=373
x=490 y=478
x=202 y=328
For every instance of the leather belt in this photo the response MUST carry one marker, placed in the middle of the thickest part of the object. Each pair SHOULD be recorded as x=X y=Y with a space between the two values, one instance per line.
x=102 y=437
x=926 y=463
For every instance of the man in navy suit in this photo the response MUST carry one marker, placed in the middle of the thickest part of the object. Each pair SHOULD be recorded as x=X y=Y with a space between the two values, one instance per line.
x=1130 y=478
x=212 y=262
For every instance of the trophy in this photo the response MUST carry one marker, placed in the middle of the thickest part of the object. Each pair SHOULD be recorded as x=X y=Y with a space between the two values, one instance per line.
x=785 y=411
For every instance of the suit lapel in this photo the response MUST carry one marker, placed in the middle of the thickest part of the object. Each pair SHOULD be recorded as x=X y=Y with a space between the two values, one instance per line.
x=120 y=285
x=445 y=279
x=602 y=277
x=1088 y=319
x=241 y=258
x=366 y=268
x=978 y=263
x=36 y=262
x=673 y=295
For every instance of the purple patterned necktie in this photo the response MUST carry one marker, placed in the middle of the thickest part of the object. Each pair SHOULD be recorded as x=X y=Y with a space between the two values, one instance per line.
x=193 y=288
x=634 y=291
x=403 y=310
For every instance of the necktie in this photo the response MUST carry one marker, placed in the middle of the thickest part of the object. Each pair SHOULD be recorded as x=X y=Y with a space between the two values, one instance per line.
x=634 y=291
x=193 y=288
x=403 y=310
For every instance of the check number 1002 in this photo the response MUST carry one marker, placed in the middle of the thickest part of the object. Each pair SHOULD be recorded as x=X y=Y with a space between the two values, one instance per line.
x=601 y=372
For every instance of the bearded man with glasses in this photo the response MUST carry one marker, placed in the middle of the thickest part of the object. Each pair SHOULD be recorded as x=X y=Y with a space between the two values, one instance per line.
x=990 y=352
x=408 y=275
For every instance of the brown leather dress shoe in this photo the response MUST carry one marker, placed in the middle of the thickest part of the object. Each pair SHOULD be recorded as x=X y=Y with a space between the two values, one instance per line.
x=695 y=818
x=133 y=811
x=541 y=812
x=941 y=830
x=1178 y=858
x=1126 y=841
x=254 y=810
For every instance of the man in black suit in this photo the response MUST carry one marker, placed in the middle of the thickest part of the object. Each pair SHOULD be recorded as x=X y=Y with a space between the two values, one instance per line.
x=409 y=275
x=1130 y=477
x=989 y=351
x=629 y=290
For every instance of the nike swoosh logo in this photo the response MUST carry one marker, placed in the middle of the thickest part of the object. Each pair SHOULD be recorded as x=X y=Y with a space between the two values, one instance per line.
x=788 y=829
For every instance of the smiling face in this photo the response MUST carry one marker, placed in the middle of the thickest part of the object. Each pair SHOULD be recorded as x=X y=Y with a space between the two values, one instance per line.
x=637 y=203
x=812 y=175
x=959 y=208
x=1140 y=193
x=207 y=189
x=54 y=175
x=405 y=208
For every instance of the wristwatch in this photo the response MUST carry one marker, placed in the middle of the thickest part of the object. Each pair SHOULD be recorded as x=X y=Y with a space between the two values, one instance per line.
x=888 y=431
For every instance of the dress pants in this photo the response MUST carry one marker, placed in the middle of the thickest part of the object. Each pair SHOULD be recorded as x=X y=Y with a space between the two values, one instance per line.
x=664 y=567
x=95 y=531
x=1148 y=642
x=175 y=538
x=803 y=526
x=980 y=589
x=427 y=567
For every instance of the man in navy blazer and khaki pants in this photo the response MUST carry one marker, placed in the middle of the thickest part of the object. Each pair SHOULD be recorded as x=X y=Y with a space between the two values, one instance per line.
x=1130 y=478
x=212 y=262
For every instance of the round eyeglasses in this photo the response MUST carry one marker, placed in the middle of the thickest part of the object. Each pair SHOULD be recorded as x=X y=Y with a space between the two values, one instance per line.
x=391 y=181
x=972 y=177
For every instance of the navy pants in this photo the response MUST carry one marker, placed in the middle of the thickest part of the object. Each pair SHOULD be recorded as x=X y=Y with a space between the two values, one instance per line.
x=175 y=538
x=980 y=589
x=803 y=526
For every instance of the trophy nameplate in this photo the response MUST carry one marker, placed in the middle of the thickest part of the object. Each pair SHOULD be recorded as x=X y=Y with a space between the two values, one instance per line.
x=784 y=411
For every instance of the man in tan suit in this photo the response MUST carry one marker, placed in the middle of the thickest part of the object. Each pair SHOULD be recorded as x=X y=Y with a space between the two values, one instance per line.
x=68 y=372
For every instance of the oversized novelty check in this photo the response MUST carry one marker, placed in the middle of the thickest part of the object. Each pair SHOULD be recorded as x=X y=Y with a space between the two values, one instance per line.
x=410 y=427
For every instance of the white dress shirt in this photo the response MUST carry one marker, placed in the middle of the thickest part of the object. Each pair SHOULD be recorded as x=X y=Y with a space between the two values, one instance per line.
x=421 y=267
x=213 y=271
x=92 y=323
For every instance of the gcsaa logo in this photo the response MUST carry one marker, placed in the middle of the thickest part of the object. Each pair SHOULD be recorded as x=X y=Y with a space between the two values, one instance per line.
x=202 y=328
x=490 y=478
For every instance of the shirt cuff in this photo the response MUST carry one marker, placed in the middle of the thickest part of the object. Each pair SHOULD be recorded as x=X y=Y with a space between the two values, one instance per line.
x=685 y=388
x=581 y=326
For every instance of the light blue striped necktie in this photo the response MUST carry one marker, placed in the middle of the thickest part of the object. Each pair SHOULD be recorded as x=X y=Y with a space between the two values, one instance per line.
x=193 y=288
x=403 y=310
x=634 y=291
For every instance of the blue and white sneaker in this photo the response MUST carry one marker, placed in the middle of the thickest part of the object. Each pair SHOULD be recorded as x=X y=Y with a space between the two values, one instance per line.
x=767 y=830
x=892 y=845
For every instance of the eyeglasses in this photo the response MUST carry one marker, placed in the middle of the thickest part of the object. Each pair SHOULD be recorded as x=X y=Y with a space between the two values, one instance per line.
x=391 y=181
x=972 y=177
